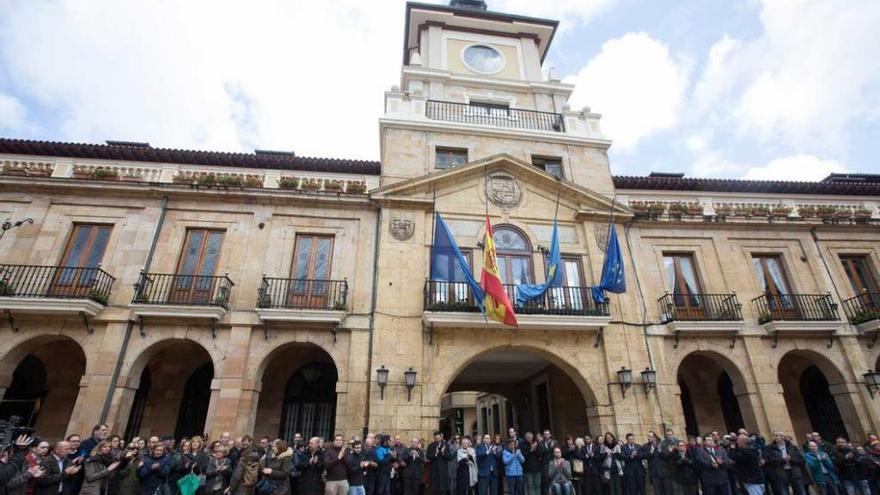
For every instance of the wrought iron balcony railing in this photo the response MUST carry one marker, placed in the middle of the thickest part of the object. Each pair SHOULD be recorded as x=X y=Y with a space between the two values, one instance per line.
x=700 y=307
x=795 y=307
x=495 y=116
x=456 y=296
x=287 y=293
x=65 y=282
x=189 y=290
x=862 y=308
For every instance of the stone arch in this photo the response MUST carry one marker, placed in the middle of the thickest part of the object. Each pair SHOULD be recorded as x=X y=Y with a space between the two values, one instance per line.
x=453 y=365
x=839 y=393
x=173 y=364
x=63 y=362
x=702 y=375
x=276 y=410
x=334 y=353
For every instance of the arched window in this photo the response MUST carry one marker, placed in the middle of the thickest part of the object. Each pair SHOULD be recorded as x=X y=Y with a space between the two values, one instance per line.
x=310 y=402
x=28 y=388
x=514 y=255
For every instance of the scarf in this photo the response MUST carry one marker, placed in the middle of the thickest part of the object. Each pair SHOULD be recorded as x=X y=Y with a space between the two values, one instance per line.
x=610 y=462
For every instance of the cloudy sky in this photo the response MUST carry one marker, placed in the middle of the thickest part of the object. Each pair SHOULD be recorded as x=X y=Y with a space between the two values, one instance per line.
x=772 y=89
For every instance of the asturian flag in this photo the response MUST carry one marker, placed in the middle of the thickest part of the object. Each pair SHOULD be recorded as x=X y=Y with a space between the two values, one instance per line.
x=613 y=278
x=527 y=292
x=497 y=304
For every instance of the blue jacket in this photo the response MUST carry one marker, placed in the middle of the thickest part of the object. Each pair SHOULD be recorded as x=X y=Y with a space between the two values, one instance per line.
x=513 y=463
x=814 y=464
x=487 y=460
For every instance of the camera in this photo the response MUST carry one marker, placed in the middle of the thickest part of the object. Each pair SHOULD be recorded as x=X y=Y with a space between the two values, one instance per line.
x=10 y=430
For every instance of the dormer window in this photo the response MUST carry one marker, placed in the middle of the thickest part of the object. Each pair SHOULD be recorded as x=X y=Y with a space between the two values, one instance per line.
x=483 y=59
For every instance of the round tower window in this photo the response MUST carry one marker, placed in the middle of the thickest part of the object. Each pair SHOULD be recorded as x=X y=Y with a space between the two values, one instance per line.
x=483 y=59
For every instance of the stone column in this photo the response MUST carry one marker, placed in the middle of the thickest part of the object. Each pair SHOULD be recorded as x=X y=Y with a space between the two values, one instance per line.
x=231 y=391
x=762 y=403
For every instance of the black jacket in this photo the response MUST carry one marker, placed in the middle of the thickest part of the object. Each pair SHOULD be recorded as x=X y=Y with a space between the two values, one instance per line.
x=686 y=470
x=10 y=469
x=415 y=463
x=310 y=481
x=533 y=457
x=632 y=464
x=713 y=473
x=55 y=476
x=777 y=463
x=354 y=469
x=593 y=457
x=747 y=465
x=846 y=468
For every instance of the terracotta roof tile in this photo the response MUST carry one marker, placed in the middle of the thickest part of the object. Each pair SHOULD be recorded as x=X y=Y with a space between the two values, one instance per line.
x=656 y=183
x=187 y=157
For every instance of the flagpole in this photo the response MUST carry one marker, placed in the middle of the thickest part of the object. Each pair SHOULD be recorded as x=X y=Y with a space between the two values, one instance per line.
x=433 y=215
x=558 y=194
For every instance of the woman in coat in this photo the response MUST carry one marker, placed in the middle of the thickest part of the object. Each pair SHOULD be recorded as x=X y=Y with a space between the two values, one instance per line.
x=612 y=466
x=218 y=468
x=154 y=472
x=278 y=467
x=466 y=467
x=559 y=474
x=99 y=468
x=129 y=484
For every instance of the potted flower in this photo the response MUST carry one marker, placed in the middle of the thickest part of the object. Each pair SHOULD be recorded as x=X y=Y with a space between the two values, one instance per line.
x=694 y=209
x=333 y=185
x=10 y=168
x=843 y=214
x=807 y=211
x=253 y=181
x=6 y=289
x=862 y=215
x=104 y=173
x=825 y=212
x=311 y=184
x=780 y=211
x=355 y=187
x=677 y=209
x=723 y=210
x=742 y=210
x=99 y=297
x=182 y=178
x=288 y=182
x=206 y=180
x=228 y=180
x=764 y=318
x=760 y=210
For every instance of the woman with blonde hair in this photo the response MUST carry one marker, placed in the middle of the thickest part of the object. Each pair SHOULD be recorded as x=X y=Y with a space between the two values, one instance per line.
x=99 y=468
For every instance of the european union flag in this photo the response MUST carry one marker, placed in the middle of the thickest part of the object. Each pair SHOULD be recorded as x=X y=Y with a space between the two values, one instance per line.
x=613 y=278
x=449 y=265
x=527 y=292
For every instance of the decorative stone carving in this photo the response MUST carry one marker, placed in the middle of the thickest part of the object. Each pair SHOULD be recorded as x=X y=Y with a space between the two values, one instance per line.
x=402 y=229
x=602 y=232
x=504 y=190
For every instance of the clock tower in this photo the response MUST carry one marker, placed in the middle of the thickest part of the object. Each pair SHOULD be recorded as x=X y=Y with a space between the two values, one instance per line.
x=472 y=86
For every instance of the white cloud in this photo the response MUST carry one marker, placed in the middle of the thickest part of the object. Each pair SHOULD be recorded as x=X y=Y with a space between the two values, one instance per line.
x=12 y=113
x=565 y=11
x=810 y=74
x=798 y=167
x=301 y=75
x=636 y=85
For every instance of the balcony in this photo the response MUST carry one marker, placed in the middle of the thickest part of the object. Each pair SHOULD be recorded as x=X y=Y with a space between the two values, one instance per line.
x=303 y=300
x=494 y=116
x=797 y=313
x=451 y=304
x=701 y=313
x=54 y=289
x=863 y=311
x=185 y=296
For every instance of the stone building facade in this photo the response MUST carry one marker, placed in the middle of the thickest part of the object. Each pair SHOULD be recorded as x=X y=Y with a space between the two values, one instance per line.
x=174 y=292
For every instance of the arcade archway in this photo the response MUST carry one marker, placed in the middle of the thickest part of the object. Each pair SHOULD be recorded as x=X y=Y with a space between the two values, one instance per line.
x=816 y=396
x=713 y=395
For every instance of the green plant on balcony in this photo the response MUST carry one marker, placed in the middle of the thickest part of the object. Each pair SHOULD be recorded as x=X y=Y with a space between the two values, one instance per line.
x=723 y=210
x=6 y=289
x=356 y=187
x=206 y=180
x=311 y=184
x=253 y=181
x=333 y=185
x=780 y=211
x=843 y=214
x=760 y=210
x=104 y=173
x=99 y=296
x=229 y=180
x=220 y=300
x=826 y=212
x=764 y=318
x=862 y=215
x=807 y=211
x=742 y=210
x=264 y=300
x=339 y=306
x=288 y=182
x=864 y=315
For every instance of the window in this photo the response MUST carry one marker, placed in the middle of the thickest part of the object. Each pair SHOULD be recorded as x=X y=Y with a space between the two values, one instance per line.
x=490 y=109
x=310 y=270
x=514 y=255
x=773 y=282
x=84 y=250
x=682 y=282
x=449 y=280
x=859 y=273
x=552 y=166
x=451 y=157
x=483 y=59
x=572 y=293
x=198 y=263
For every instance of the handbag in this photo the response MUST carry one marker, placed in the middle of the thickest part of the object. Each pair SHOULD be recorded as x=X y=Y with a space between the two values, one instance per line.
x=577 y=466
x=265 y=487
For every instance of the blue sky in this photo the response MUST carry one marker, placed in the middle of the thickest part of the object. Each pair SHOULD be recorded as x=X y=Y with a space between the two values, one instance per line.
x=765 y=89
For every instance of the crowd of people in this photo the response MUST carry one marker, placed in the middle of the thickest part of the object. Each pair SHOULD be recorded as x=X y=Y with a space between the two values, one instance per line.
x=533 y=464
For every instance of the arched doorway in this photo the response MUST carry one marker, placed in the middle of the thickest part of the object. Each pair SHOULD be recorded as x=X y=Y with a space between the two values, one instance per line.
x=528 y=387
x=173 y=390
x=44 y=384
x=816 y=397
x=713 y=395
x=298 y=393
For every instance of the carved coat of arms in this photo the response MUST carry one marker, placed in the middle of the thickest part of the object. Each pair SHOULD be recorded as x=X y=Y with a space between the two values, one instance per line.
x=402 y=229
x=503 y=190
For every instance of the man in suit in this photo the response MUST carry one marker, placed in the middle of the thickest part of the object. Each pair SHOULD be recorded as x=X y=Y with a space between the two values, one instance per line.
x=633 y=469
x=60 y=472
x=714 y=463
x=487 y=466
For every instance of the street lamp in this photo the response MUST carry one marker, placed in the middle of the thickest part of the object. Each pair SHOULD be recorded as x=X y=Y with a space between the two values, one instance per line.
x=649 y=380
x=624 y=379
x=382 y=380
x=872 y=382
x=9 y=225
x=409 y=377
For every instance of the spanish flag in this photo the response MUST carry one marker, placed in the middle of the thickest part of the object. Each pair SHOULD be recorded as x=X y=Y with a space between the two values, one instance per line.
x=497 y=304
